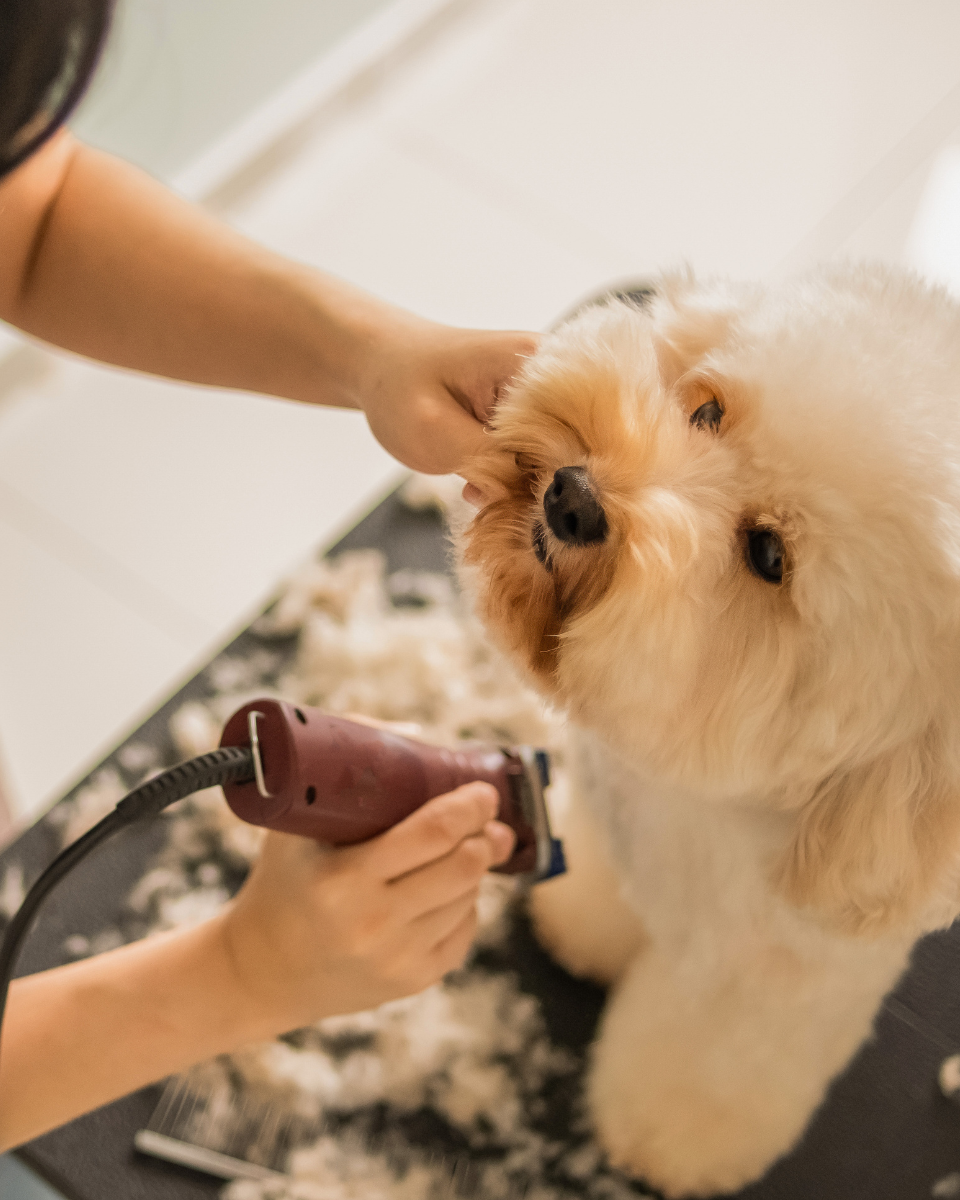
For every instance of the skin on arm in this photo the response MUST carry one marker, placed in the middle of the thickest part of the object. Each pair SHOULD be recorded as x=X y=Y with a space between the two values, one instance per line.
x=100 y=259
x=314 y=932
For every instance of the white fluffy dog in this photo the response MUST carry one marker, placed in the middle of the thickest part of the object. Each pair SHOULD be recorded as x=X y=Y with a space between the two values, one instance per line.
x=722 y=531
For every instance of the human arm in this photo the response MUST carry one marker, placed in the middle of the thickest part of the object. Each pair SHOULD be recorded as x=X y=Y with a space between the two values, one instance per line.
x=314 y=932
x=100 y=259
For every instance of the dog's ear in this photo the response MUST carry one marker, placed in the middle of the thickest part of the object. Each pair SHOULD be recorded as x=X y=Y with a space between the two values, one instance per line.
x=689 y=322
x=879 y=846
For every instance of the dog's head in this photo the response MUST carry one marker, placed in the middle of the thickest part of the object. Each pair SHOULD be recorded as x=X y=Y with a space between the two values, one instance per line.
x=723 y=532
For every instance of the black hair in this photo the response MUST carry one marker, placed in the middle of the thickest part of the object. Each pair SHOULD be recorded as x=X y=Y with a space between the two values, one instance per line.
x=48 y=52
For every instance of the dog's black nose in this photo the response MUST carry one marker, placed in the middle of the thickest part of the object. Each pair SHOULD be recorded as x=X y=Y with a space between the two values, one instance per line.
x=572 y=509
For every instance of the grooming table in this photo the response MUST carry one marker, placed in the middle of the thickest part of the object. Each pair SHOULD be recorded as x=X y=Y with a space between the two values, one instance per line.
x=885 y=1132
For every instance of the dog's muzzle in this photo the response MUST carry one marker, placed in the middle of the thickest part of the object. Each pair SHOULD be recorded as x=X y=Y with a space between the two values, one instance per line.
x=572 y=509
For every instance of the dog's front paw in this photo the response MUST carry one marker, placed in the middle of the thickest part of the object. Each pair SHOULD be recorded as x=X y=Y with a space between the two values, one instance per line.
x=697 y=1085
x=683 y=1145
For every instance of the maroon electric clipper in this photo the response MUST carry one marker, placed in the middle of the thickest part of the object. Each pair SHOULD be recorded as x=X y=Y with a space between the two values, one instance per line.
x=341 y=782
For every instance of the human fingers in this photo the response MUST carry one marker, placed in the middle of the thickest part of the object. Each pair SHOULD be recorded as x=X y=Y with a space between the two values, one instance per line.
x=454 y=435
x=485 y=363
x=449 y=954
x=473 y=495
x=455 y=874
x=438 y=945
x=435 y=434
x=432 y=929
x=429 y=833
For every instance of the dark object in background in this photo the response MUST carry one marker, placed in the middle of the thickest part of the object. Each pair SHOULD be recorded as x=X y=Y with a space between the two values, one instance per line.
x=49 y=50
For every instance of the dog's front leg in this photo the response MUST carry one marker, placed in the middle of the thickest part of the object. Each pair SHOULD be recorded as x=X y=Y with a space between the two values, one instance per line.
x=709 y=1064
x=581 y=917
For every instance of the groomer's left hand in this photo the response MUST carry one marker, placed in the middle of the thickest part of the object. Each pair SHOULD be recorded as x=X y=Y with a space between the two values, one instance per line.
x=428 y=390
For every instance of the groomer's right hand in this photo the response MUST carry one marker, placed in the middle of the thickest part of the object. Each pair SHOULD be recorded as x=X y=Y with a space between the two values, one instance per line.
x=318 y=930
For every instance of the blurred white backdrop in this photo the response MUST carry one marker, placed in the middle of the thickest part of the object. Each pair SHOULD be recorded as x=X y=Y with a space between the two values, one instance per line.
x=178 y=74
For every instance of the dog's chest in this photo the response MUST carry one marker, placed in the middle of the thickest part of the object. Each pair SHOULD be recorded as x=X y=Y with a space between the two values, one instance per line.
x=686 y=865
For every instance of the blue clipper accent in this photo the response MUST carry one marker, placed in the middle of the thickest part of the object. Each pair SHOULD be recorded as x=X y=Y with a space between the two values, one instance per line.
x=543 y=766
x=558 y=864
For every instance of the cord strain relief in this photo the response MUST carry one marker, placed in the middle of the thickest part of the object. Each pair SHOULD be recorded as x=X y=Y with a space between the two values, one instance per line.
x=207 y=770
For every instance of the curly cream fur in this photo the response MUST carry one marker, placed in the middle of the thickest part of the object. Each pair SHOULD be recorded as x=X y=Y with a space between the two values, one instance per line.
x=773 y=770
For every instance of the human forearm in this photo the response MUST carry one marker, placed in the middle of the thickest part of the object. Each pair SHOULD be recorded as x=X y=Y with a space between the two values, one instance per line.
x=119 y=269
x=79 y=1036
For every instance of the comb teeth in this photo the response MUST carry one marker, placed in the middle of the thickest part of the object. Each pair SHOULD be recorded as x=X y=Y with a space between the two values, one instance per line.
x=223 y=1134
x=227 y=1135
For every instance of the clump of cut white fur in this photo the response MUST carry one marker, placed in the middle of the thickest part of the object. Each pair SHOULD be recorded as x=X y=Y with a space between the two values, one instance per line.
x=473 y=1052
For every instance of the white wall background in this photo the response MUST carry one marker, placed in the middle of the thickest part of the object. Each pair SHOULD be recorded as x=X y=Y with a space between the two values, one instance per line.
x=177 y=74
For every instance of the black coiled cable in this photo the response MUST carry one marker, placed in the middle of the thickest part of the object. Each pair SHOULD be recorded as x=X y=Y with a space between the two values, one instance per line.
x=151 y=798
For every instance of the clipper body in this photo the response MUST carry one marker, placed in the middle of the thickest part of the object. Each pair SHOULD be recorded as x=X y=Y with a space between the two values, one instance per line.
x=341 y=782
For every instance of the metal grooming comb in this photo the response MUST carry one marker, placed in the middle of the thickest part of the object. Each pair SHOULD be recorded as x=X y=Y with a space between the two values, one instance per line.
x=229 y=1136
x=221 y=1134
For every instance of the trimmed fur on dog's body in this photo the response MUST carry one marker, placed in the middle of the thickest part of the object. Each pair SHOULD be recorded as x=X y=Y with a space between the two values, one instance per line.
x=767 y=774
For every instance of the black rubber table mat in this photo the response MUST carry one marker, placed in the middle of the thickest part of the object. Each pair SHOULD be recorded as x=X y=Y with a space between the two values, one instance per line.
x=884 y=1133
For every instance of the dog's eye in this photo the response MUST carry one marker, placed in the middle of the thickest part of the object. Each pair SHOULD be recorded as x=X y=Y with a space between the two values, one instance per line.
x=708 y=415
x=765 y=554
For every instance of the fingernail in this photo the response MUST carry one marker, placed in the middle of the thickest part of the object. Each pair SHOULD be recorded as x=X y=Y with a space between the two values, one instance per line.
x=501 y=837
x=473 y=495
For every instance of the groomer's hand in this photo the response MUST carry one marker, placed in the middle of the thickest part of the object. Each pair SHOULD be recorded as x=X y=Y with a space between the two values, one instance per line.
x=318 y=931
x=314 y=932
x=428 y=390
